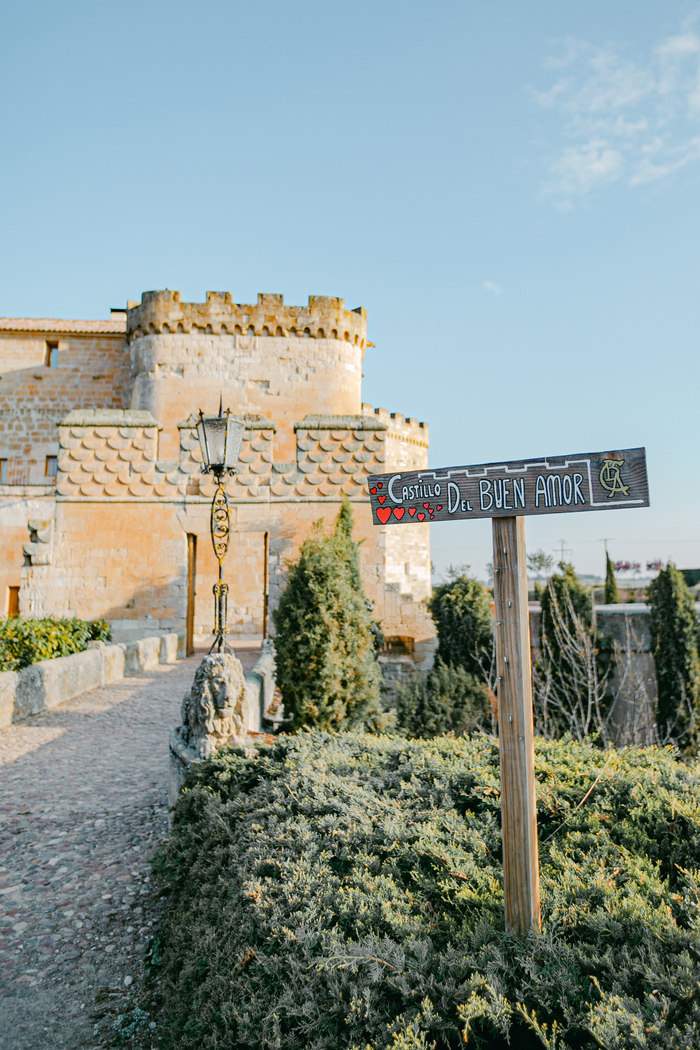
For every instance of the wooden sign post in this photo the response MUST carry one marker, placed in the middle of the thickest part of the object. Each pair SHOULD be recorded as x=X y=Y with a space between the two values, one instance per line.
x=507 y=492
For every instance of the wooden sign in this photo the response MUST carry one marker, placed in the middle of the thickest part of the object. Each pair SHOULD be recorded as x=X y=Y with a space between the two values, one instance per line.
x=548 y=485
x=507 y=492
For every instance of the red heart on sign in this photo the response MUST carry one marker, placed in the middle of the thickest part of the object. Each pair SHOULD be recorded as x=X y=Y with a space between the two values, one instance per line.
x=383 y=513
x=421 y=516
x=427 y=506
x=373 y=491
x=381 y=498
x=411 y=511
x=399 y=513
x=379 y=485
x=439 y=506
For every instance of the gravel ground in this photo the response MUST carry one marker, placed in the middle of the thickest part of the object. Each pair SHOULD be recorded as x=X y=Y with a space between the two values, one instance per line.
x=83 y=793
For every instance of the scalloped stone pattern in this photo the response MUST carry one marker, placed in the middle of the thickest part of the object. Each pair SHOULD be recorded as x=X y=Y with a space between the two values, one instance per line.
x=113 y=461
x=104 y=462
x=331 y=463
x=121 y=463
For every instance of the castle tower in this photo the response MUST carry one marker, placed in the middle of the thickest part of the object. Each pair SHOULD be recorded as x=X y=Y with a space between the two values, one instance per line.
x=279 y=362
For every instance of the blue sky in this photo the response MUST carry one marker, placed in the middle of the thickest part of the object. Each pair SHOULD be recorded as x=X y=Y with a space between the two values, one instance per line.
x=511 y=190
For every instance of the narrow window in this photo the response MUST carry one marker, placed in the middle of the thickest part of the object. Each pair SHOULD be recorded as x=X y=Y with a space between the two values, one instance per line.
x=191 y=591
x=4 y=472
x=51 y=355
x=51 y=467
x=13 y=601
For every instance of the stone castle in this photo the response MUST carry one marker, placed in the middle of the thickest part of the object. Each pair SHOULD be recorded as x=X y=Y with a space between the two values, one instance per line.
x=103 y=509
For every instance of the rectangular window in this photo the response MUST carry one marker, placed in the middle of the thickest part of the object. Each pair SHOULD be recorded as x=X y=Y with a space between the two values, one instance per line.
x=51 y=355
x=4 y=472
x=13 y=601
x=51 y=467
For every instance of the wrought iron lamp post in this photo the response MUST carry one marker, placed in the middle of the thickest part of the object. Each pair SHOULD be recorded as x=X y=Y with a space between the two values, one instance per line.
x=220 y=440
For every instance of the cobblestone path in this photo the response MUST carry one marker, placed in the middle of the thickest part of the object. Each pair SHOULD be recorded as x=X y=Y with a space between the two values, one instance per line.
x=83 y=792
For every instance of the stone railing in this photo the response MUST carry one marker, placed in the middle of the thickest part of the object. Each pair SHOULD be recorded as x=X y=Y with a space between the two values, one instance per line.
x=49 y=683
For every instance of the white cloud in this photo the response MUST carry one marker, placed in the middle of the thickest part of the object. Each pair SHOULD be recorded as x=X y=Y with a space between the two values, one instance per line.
x=621 y=120
x=490 y=286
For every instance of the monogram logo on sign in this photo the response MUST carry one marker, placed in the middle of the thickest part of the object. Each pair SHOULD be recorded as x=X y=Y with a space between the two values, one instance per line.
x=610 y=478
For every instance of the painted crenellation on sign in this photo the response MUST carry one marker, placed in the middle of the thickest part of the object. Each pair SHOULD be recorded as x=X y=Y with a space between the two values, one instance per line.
x=556 y=484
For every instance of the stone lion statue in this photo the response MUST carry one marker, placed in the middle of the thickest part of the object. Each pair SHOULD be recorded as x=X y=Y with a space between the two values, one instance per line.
x=214 y=709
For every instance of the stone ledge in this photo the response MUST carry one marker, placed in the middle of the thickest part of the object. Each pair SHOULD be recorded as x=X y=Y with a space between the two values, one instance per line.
x=340 y=423
x=109 y=417
x=56 y=325
x=253 y=422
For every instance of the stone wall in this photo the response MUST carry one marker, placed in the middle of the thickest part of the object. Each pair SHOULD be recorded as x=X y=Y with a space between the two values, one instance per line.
x=18 y=506
x=122 y=516
x=92 y=371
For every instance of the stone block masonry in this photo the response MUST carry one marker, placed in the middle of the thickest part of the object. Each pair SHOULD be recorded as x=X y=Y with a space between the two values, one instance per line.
x=92 y=371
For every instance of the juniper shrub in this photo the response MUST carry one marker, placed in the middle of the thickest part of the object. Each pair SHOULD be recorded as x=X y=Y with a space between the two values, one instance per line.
x=345 y=891
x=447 y=700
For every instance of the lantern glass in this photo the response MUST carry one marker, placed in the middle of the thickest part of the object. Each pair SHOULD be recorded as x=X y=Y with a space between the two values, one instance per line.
x=220 y=439
x=234 y=437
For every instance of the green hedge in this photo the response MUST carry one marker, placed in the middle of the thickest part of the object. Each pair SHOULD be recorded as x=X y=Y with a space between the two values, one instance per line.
x=345 y=891
x=24 y=642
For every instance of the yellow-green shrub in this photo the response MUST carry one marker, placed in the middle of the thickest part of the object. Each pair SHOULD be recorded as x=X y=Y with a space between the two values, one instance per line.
x=24 y=642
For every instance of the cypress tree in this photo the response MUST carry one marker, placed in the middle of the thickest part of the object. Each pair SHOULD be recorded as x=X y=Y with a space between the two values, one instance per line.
x=564 y=600
x=324 y=645
x=461 y=610
x=674 y=632
x=611 y=595
x=570 y=595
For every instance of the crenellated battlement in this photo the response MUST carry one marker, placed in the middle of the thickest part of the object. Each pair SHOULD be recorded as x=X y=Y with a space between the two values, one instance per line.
x=164 y=313
x=407 y=439
x=405 y=426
